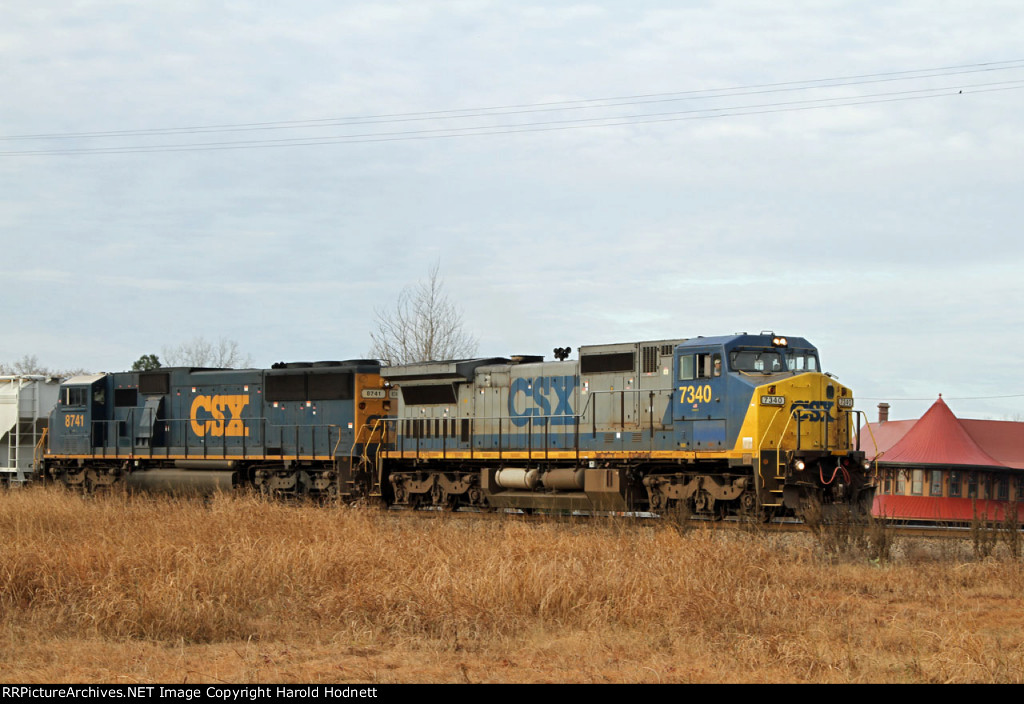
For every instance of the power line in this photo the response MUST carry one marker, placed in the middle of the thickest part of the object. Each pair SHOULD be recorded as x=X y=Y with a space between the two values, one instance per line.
x=712 y=112
x=945 y=398
x=547 y=126
x=583 y=103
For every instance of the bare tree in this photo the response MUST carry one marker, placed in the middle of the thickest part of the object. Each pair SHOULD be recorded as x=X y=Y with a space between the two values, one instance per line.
x=424 y=325
x=200 y=352
x=29 y=365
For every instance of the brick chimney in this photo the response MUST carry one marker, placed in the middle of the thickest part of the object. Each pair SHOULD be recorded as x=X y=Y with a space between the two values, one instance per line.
x=883 y=412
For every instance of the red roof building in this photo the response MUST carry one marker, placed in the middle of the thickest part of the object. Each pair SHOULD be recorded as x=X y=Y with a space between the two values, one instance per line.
x=942 y=468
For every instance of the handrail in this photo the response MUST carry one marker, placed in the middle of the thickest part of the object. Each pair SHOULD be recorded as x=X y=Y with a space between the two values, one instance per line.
x=107 y=433
x=355 y=439
x=873 y=441
x=578 y=416
x=39 y=450
x=778 y=446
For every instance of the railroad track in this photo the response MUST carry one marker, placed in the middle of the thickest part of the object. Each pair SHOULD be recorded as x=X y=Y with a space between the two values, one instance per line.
x=696 y=522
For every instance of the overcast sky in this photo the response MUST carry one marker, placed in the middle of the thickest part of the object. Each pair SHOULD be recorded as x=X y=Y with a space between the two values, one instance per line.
x=584 y=173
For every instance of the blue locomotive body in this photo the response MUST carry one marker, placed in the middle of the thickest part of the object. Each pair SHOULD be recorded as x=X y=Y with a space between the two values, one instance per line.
x=298 y=428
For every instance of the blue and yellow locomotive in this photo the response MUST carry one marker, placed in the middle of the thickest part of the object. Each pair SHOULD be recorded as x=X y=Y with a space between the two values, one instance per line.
x=295 y=429
x=742 y=423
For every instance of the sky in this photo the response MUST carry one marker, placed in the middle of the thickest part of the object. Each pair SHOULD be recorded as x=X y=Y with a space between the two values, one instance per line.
x=581 y=172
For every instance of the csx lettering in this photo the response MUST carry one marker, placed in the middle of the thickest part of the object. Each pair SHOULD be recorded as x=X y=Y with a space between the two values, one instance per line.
x=533 y=397
x=812 y=410
x=212 y=420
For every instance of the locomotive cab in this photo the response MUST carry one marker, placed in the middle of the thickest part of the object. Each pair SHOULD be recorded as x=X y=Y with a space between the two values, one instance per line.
x=759 y=406
x=82 y=400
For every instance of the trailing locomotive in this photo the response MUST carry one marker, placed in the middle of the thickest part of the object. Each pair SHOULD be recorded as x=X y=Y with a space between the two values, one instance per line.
x=744 y=423
x=295 y=429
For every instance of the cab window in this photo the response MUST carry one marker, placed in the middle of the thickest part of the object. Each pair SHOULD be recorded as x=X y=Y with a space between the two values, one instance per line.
x=686 y=371
x=802 y=362
x=763 y=361
x=75 y=396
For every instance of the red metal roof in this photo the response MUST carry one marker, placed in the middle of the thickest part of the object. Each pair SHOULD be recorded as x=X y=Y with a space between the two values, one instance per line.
x=940 y=438
x=1003 y=439
x=877 y=438
x=941 y=509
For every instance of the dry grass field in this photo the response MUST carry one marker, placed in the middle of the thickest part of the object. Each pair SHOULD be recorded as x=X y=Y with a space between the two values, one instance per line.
x=239 y=590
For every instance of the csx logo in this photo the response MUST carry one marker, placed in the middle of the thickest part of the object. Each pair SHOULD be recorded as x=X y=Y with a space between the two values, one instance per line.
x=545 y=396
x=208 y=416
x=812 y=410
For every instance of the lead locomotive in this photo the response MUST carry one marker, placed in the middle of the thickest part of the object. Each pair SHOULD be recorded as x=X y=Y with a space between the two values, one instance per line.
x=721 y=424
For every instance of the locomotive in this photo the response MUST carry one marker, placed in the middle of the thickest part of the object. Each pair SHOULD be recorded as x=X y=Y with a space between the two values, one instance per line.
x=295 y=429
x=719 y=425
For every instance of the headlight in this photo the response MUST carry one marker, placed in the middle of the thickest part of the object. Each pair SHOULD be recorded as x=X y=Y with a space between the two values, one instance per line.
x=799 y=465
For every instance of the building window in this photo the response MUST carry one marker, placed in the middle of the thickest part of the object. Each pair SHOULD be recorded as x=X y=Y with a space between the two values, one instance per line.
x=972 y=485
x=954 y=483
x=1004 y=488
x=901 y=482
x=936 y=487
x=887 y=483
x=917 y=482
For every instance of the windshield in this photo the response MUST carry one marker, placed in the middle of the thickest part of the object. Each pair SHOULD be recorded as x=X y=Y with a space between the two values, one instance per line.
x=764 y=361
x=802 y=361
x=773 y=361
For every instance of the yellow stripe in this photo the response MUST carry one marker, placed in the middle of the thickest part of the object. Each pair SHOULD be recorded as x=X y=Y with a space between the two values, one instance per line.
x=559 y=455
x=190 y=457
x=583 y=455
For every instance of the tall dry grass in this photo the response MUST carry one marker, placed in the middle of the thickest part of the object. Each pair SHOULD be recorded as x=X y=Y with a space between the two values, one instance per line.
x=239 y=589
